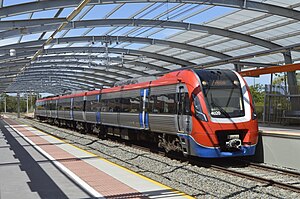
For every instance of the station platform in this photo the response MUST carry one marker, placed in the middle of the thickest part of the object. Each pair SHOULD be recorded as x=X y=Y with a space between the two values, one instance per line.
x=34 y=164
x=280 y=131
x=279 y=145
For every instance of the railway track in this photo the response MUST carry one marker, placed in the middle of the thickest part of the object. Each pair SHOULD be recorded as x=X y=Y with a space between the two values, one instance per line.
x=270 y=176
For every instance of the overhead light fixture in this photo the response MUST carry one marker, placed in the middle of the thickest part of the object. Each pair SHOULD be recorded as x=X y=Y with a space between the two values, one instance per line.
x=12 y=52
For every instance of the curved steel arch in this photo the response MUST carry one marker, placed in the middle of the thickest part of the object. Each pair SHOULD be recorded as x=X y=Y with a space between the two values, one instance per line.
x=107 y=38
x=90 y=57
x=147 y=23
x=240 y=4
x=38 y=81
x=133 y=63
x=78 y=66
x=75 y=66
x=80 y=74
x=38 y=88
x=87 y=80
x=159 y=57
x=89 y=72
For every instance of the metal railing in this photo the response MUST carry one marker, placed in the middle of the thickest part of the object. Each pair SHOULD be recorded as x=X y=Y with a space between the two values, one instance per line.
x=280 y=101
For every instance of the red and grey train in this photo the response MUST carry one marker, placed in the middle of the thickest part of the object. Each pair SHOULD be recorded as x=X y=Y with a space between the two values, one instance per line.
x=204 y=113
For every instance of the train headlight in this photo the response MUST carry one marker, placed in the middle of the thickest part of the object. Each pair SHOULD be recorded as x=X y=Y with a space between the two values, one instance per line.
x=201 y=116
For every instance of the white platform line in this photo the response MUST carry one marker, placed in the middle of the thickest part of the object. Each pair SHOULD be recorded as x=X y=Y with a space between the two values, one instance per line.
x=64 y=169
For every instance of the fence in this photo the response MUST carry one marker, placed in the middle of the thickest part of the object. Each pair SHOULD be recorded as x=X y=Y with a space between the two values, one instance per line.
x=281 y=103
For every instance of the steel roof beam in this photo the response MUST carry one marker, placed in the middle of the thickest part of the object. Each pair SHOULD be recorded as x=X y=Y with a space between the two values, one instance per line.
x=39 y=82
x=72 y=76
x=37 y=88
x=92 y=67
x=132 y=63
x=160 y=57
x=74 y=66
x=36 y=85
x=240 y=4
x=147 y=23
x=108 y=38
x=88 y=76
x=20 y=24
x=64 y=68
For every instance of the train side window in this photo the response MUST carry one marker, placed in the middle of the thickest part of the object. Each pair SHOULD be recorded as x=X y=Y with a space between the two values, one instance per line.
x=117 y=105
x=135 y=104
x=78 y=104
x=164 y=103
x=125 y=105
x=104 y=105
x=92 y=105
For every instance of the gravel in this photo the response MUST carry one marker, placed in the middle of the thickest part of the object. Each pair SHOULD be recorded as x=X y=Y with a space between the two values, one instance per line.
x=196 y=181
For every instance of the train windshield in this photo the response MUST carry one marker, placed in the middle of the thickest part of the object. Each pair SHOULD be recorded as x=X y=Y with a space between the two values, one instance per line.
x=223 y=93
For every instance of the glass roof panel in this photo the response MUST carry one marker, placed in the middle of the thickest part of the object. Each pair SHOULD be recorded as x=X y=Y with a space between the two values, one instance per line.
x=15 y=2
x=4 y=42
x=99 y=11
x=154 y=48
x=47 y=35
x=127 y=10
x=31 y=37
x=44 y=14
x=66 y=12
x=76 y=32
x=247 y=50
x=210 y=14
x=288 y=41
x=98 y=31
x=165 y=33
x=16 y=17
x=146 y=32
x=185 y=36
x=208 y=40
x=204 y=60
x=122 y=30
x=157 y=10
x=232 y=19
x=136 y=46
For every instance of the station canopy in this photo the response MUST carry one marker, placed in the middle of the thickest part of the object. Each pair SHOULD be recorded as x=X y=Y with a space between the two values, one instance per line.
x=57 y=46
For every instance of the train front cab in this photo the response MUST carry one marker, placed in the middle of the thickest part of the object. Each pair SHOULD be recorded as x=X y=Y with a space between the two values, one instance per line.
x=224 y=120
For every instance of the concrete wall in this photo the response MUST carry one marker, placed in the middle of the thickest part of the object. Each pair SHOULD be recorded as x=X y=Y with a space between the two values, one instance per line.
x=281 y=150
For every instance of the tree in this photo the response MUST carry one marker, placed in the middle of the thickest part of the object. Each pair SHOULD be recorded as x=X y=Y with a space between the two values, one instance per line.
x=258 y=93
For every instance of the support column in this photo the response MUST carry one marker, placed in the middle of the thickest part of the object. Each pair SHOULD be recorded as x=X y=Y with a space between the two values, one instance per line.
x=5 y=104
x=18 y=102
x=27 y=103
x=292 y=81
x=237 y=67
x=291 y=76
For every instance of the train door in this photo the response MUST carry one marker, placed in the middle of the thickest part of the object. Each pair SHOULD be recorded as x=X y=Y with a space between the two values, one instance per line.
x=98 y=116
x=84 y=108
x=56 y=108
x=71 y=109
x=183 y=118
x=144 y=116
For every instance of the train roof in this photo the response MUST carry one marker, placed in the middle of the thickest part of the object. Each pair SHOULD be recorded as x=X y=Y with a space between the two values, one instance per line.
x=167 y=79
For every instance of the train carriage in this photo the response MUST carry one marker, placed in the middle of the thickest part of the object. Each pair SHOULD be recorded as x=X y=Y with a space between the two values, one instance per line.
x=204 y=113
